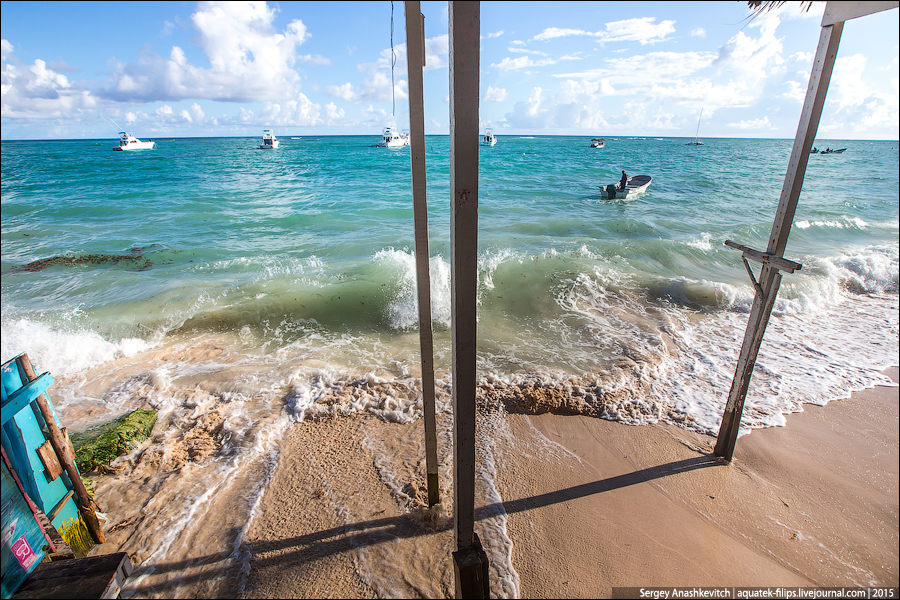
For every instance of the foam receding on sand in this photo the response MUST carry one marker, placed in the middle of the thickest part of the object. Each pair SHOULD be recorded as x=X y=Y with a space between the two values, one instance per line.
x=572 y=506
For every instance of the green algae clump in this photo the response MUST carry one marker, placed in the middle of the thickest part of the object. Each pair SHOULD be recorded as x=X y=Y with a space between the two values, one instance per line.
x=98 y=446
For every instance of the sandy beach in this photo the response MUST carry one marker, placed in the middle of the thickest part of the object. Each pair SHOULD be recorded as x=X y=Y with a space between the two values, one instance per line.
x=572 y=506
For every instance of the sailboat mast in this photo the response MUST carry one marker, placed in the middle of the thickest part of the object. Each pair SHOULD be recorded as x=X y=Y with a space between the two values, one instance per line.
x=697 y=135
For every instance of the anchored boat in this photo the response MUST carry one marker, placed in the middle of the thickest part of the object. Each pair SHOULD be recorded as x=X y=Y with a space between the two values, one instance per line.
x=696 y=141
x=391 y=138
x=488 y=139
x=269 y=141
x=127 y=141
x=598 y=143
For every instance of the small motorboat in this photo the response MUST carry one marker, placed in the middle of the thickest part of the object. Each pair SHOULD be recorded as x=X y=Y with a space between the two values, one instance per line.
x=634 y=186
x=488 y=139
x=127 y=141
x=827 y=151
x=269 y=141
x=391 y=138
x=598 y=143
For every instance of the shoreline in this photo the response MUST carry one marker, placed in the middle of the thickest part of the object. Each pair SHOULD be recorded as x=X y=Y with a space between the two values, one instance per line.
x=588 y=505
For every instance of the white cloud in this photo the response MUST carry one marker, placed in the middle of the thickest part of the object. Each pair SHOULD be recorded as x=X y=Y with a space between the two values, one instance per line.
x=643 y=30
x=555 y=32
x=299 y=111
x=796 y=91
x=317 y=61
x=333 y=113
x=37 y=91
x=577 y=105
x=496 y=34
x=854 y=105
x=751 y=60
x=698 y=32
x=248 y=59
x=847 y=87
x=522 y=62
x=344 y=91
x=6 y=49
x=495 y=94
x=654 y=66
x=756 y=124
x=526 y=51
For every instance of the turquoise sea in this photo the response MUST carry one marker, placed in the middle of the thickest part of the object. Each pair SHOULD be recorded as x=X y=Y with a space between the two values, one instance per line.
x=240 y=290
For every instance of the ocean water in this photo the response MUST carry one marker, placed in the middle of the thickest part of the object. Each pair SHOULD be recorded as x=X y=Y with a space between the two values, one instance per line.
x=240 y=291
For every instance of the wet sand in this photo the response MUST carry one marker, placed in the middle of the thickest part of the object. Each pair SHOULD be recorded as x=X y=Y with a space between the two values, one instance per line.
x=589 y=505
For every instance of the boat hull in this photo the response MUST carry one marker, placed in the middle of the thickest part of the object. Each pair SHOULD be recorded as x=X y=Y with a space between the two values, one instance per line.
x=136 y=146
x=391 y=144
x=636 y=185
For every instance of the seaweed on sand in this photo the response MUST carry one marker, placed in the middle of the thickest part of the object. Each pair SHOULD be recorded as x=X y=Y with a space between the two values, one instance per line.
x=98 y=446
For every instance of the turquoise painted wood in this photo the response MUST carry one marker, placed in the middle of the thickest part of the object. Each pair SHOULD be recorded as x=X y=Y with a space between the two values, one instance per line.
x=23 y=540
x=22 y=433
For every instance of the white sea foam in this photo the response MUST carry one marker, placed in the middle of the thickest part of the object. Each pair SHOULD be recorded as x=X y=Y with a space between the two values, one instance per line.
x=403 y=309
x=63 y=351
x=847 y=222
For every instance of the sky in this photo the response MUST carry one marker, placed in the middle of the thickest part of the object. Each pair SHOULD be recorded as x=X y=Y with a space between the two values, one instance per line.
x=73 y=70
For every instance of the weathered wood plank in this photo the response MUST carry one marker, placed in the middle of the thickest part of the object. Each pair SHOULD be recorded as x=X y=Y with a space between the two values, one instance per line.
x=778 y=262
x=465 y=30
x=48 y=459
x=91 y=577
x=415 y=46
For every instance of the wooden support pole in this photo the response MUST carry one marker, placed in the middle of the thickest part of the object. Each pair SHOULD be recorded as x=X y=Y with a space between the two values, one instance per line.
x=770 y=277
x=469 y=561
x=61 y=446
x=415 y=48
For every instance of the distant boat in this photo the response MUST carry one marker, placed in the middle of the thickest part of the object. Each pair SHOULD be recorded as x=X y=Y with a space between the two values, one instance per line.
x=633 y=186
x=598 y=143
x=827 y=151
x=488 y=139
x=390 y=138
x=269 y=141
x=127 y=141
x=696 y=141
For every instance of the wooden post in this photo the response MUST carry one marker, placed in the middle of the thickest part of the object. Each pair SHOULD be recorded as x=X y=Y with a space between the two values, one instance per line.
x=770 y=277
x=415 y=48
x=61 y=447
x=470 y=562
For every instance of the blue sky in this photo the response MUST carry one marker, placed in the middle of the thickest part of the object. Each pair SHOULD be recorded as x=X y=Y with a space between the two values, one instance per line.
x=176 y=69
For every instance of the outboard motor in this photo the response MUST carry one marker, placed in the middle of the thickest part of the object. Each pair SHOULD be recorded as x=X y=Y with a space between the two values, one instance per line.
x=611 y=191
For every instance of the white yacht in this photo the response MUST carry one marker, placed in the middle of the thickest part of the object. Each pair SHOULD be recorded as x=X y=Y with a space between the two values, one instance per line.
x=127 y=141
x=488 y=138
x=269 y=141
x=390 y=138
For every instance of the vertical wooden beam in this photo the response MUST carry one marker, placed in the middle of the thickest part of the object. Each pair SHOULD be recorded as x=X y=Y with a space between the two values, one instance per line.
x=415 y=61
x=770 y=277
x=470 y=561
